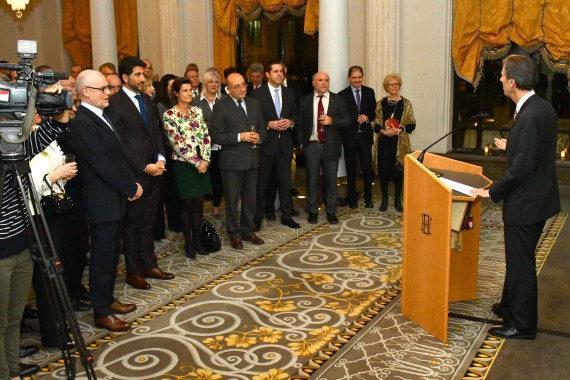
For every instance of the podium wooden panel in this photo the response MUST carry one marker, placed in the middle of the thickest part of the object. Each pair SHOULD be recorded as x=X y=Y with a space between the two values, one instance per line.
x=433 y=273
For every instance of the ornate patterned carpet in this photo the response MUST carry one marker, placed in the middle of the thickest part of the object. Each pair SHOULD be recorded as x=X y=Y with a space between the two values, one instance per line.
x=320 y=302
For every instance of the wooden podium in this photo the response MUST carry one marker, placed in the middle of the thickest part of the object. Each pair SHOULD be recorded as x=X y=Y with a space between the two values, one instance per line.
x=434 y=273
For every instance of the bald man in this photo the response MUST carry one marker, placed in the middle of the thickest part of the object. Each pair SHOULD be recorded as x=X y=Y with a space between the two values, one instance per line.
x=237 y=125
x=108 y=185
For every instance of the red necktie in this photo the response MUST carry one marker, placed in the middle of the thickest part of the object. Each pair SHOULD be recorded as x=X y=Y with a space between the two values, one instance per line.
x=320 y=126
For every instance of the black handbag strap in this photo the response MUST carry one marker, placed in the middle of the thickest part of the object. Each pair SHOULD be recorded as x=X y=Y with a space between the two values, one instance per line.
x=50 y=186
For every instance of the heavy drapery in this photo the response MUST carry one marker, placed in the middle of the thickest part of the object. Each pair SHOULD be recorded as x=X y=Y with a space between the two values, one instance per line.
x=227 y=12
x=485 y=29
x=76 y=29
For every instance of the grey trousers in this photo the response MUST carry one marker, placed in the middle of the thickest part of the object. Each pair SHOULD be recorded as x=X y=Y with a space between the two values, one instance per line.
x=15 y=281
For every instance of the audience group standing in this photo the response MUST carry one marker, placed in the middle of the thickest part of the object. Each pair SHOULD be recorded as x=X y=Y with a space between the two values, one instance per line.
x=145 y=145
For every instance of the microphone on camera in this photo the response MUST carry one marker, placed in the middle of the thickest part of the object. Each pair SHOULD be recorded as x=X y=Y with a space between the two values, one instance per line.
x=463 y=124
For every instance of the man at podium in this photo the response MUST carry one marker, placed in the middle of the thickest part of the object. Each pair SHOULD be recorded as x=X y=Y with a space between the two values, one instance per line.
x=529 y=193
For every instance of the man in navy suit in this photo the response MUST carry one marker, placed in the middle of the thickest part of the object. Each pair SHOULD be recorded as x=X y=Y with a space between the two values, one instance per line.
x=529 y=192
x=135 y=117
x=279 y=115
x=237 y=125
x=322 y=115
x=357 y=140
x=108 y=184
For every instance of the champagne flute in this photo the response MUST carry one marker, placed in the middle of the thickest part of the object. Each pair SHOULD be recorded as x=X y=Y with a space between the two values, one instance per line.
x=254 y=129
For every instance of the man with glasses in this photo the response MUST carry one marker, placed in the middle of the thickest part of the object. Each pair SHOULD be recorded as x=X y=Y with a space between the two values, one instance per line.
x=135 y=117
x=237 y=125
x=108 y=184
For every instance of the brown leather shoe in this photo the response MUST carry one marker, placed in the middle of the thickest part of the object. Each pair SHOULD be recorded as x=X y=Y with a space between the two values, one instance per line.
x=254 y=239
x=137 y=281
x=236 y=243
x=123 y=308
x=112 y=323
x=157 y=273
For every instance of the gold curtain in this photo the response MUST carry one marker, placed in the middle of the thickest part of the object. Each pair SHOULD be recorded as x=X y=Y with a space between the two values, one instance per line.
x=226 y=13
x=485 y=29
x=76 y=29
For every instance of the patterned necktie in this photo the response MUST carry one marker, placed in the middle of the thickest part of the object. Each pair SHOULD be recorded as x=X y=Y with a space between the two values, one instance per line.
x=320 y=126
x=143 y=112
x=277 y=101
x=242 y=109
x=357 y=100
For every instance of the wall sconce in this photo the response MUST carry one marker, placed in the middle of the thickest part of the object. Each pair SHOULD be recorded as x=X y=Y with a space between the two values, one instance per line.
x=18 y=6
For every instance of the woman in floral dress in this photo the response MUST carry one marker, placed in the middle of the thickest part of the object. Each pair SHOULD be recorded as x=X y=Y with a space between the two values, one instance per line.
x=188 y=135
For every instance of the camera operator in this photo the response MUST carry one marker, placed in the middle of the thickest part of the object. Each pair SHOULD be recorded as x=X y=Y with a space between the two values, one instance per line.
x=15 y=257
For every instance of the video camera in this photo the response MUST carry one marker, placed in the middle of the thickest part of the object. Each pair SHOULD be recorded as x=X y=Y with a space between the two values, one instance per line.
x=20 y=100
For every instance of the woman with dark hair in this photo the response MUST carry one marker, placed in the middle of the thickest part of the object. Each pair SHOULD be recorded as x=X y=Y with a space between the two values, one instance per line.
x=188 y=135
x=168 y=194
x=210 y=95
x=394 y=122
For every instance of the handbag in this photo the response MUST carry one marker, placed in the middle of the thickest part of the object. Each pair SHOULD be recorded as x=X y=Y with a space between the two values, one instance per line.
x=56 y=203
x=209 y=237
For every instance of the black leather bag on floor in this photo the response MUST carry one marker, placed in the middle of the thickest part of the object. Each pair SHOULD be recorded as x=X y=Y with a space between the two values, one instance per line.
x=209 y=237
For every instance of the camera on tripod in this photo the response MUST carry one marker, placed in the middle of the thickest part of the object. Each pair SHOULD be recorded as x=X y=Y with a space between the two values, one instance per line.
x=19 y=100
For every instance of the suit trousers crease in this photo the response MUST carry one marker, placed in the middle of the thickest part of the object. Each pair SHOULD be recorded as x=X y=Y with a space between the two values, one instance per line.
x=240 y=185
x=105 y=245
x=139 y=229
x=358 y=151
x=314 y=162
x=274 y=168
x=520 y=292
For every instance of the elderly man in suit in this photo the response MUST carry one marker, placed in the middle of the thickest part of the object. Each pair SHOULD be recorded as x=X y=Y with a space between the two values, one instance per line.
x=237 y=125
x=357 y=140
x=279 y=115
x=322 y=115
x=529 y=192
x=135 y=117
x=108 y=184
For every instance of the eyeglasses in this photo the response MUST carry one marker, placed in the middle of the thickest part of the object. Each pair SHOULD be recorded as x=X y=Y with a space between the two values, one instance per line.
x=243 y=85
x=102 y=89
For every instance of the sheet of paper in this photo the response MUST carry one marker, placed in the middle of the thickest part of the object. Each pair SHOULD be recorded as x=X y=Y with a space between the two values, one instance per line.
x=463 y=189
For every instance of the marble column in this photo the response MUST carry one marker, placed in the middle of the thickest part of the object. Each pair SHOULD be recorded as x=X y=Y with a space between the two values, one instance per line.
x=333 y=48
x=103 y=33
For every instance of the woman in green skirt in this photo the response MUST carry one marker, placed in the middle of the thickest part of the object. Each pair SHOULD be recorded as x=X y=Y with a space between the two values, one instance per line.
x=187 y=132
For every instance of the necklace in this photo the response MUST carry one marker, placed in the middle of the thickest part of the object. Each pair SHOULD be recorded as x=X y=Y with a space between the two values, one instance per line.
x=392 y=102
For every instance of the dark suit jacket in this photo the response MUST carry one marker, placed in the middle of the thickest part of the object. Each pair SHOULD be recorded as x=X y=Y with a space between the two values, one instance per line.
x=106 y=175
x=367 y=107
x=227 y=123
x=340 y=119
x=274 y=140
x=206 y=111
x=141 y=145
x=250 y=88
x=529 y=188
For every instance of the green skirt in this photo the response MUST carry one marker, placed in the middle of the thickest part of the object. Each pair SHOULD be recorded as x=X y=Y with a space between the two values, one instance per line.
x=189 y=182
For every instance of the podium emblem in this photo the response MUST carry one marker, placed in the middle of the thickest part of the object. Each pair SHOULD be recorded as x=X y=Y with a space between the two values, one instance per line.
x=426 y=224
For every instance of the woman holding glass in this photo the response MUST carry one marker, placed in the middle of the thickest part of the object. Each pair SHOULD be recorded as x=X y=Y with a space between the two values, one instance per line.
x=394 y=122
x=188 y=135
x=211 y=95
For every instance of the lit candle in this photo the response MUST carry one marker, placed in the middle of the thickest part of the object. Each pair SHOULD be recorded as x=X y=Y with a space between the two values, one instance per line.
x=486 y=151
x=563 y=155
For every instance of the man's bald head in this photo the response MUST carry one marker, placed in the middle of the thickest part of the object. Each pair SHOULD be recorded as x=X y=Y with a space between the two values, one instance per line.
x=92 y=88
x=237 y=87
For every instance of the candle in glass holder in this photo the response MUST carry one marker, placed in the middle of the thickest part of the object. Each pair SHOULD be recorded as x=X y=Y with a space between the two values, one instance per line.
x=486 y=151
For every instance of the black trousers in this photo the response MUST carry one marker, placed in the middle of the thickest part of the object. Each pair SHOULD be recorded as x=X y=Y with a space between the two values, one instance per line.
x=520 y=292
x=359 y=150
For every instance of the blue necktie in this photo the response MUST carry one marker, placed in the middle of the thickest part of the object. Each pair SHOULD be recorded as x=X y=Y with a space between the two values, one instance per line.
x=358 y=100
x=142 y=109
x=277 y=100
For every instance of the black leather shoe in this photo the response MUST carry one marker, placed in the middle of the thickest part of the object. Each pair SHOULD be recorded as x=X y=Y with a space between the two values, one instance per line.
x=290 y=223
x=332 y=219
x=369 y=204
x=30 y=313
x=384 y=205
x=398 y=205
x=27 y=370
x=497 y=310
x=270 y=216
x=511 y=333
x=79 y=305
x=26 y=351
x=353 y=206
x=312 y=218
